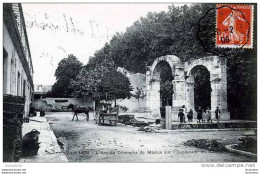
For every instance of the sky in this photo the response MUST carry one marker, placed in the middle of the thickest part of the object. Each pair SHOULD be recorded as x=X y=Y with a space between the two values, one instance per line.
x=56 y=30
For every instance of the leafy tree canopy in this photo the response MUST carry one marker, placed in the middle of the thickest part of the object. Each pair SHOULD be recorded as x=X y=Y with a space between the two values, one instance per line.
x=67 y=70
x=101 y=81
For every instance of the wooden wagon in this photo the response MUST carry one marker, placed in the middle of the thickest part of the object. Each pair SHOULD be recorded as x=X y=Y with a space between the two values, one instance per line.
x=108 y=116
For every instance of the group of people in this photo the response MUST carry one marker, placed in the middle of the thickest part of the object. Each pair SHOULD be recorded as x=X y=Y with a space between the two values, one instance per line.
x=202 y=115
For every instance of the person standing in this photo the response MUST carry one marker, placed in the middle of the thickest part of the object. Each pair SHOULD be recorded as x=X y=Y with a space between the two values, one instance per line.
x=184 y=108
x=208 y=114
x=217 y=114
x=181 y=116
x=87 y=113
x=190 y=115
x=199 y=113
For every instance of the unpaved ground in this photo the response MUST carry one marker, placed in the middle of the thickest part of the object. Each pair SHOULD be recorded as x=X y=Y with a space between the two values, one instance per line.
x=87 y=142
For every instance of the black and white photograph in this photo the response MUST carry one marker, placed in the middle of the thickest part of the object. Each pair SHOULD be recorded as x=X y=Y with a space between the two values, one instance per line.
x=113 y=82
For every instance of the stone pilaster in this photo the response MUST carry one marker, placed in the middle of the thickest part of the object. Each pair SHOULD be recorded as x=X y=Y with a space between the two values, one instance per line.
x=219 y=98
x=168 y=117
x=179 y=95
x=148 y=87
x=155 y=98
x=190 y=93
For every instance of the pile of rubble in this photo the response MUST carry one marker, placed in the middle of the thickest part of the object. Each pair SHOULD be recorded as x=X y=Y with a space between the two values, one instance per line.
x=247 y=143
x=212 y=145
x=13 y=109
x=149 y=129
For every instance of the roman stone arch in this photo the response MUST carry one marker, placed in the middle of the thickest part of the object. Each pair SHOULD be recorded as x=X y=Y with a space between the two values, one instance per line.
x=153 y=83
x=183 y=84
x=218 y=79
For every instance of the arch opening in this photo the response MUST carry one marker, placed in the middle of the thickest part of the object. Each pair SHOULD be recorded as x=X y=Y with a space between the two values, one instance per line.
x=202 y=87
x=163 y=74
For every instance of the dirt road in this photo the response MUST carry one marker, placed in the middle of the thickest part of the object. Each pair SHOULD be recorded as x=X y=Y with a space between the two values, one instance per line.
x=87 y=142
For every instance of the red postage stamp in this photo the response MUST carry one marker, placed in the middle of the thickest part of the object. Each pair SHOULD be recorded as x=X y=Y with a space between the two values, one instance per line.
x=234 y=26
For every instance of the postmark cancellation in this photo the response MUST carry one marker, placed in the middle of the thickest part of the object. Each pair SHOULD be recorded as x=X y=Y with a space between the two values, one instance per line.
x=234 y=26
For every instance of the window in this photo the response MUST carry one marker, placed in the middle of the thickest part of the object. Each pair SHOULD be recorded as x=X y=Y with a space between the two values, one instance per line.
x=18 y=83
x=24 y=87
x=5 y=63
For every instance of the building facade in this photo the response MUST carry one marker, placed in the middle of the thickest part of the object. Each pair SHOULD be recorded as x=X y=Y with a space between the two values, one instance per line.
x=17 y=61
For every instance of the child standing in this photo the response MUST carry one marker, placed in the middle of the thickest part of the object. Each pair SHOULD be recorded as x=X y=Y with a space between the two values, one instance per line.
x=208 y=115
x=217 y=114
x=190 y=115
x=199 y=114
x=181 y=116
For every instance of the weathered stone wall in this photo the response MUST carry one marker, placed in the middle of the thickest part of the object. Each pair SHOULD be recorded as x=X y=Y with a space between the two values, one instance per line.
x=132 y=104
x=13 y=108
x=136 y=80
x=50 y=103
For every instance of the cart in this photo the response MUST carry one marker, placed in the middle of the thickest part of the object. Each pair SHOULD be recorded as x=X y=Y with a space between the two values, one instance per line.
x=108 y=116
x=108 y=119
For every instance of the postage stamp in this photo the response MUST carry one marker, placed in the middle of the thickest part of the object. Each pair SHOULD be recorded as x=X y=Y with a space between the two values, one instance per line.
x=234 y=26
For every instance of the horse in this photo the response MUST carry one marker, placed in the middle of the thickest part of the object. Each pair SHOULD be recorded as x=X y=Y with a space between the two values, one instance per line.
x=77 y=109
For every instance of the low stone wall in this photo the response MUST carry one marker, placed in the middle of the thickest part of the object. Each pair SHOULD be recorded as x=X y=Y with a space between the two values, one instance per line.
x=49 y=104
x=215 y=125
x=132 y=104
x=13 y=110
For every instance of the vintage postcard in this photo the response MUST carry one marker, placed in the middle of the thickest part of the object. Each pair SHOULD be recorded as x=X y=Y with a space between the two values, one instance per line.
x=130 y=83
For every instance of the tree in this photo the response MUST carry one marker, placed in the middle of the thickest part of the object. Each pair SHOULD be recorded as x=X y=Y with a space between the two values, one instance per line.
x=114 y=85
x=166 y=86
x=139 y=94
x=166 y=93
x=101 y=81
x=202 y=87
x=67 y=70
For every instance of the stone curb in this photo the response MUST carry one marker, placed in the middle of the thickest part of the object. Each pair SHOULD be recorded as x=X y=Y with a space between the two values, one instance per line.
x=203 y=130
x=240 y=152
x=62 y=157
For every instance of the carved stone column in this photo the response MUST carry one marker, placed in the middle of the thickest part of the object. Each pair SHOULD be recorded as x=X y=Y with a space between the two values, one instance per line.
x=148 y=87
x=190 y=93
x=219 y=92
x=178 y=98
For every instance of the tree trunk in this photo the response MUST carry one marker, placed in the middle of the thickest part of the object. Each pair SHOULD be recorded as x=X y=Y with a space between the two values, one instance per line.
x=138 y=105
x=115 y=98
